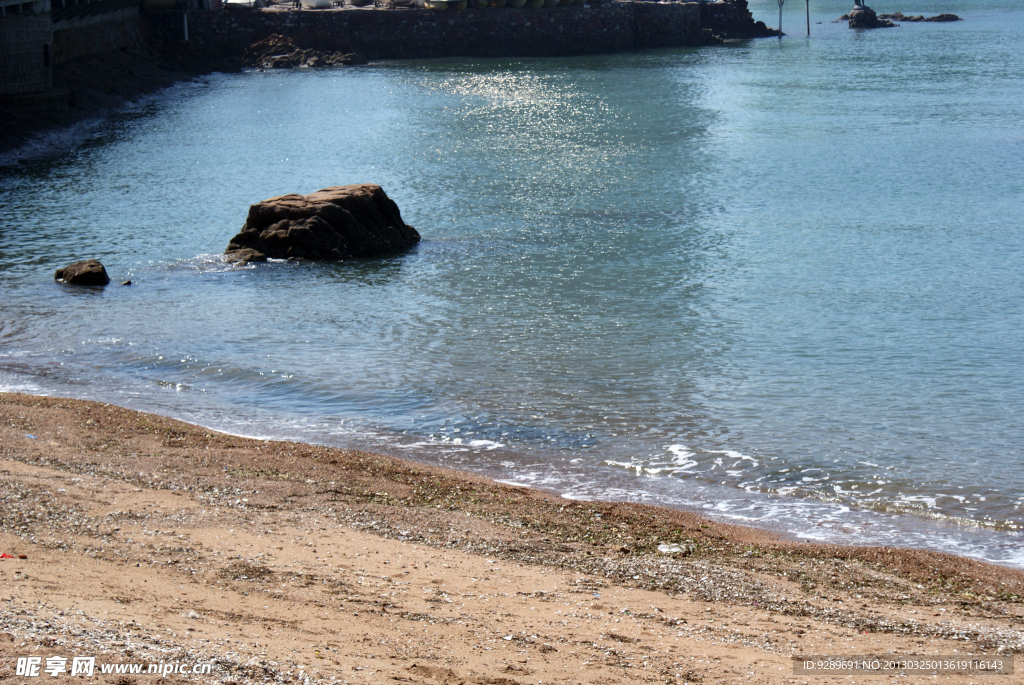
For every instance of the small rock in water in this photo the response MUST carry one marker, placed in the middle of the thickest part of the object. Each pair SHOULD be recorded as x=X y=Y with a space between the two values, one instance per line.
x=128 y=282
x=88 y=272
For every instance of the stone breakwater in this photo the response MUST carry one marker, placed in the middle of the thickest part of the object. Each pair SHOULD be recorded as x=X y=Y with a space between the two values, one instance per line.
x=485 y=32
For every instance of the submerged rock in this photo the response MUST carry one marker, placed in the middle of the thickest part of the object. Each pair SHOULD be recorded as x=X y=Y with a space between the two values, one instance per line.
x=244 y=256
x=338 y=223
x=88 y=272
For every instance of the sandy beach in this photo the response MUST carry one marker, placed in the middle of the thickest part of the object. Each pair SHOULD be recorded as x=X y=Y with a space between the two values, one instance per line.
x=147 y=540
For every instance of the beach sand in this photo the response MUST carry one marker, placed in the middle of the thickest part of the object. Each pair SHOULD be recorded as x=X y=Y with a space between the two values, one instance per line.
x=148 y=540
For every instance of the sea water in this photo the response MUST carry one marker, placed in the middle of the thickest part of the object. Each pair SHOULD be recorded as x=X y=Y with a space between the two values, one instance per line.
x=778 y=281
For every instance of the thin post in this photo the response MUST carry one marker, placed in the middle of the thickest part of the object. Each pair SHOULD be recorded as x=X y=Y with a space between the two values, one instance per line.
x=781 y=3
x=808 y=2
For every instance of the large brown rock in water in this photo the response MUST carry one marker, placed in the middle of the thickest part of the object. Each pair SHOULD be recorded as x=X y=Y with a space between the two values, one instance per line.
x=89 y=272
x=344 y=222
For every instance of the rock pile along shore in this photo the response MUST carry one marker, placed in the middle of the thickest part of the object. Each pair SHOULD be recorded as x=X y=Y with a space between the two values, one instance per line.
x=281 y=52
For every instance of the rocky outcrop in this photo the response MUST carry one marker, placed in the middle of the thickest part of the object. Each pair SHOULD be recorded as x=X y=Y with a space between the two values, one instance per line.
x=281 y=52
x=344 y=222
x=863 y=17
x=88 y=272
x=899 y=16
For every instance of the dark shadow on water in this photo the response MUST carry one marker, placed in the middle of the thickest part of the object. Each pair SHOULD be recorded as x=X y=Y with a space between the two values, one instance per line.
x=373 y=272
x=84 y=290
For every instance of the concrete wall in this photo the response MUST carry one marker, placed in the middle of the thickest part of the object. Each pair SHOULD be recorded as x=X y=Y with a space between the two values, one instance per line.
x=421 y=33
x=24 y=62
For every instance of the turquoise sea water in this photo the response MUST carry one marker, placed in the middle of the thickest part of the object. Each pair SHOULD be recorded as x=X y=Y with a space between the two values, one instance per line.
x=779 y=281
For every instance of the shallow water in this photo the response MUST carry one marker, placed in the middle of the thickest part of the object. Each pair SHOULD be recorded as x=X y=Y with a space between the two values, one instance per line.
x=779 y=280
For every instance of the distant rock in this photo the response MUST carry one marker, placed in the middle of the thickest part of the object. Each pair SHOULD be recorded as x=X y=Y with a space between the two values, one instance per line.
x=343 y=222
x=280 y=52
x=88 y=272
x=863 y=17
x=899 y=16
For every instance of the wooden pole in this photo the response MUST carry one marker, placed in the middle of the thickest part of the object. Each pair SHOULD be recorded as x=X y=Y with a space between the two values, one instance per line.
x=808 y=2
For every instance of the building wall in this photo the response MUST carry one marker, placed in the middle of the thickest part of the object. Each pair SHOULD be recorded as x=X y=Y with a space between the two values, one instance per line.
x=421 y=33
x=24 y=44
x=104 y=34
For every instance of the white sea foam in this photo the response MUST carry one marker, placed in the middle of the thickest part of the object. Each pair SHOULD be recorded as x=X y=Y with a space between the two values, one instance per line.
x=683 y=457
x=18 y=385
x=917 y=499
x=732 y=454
x=629 y=465
x=488 y=444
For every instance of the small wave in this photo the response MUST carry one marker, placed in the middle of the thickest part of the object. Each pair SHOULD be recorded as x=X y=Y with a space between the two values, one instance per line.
x=209 y=263
x=514 y=483
x=735 y=455
x=684 y=457
x=486 y=444
x=930 y=502
x=51 y=143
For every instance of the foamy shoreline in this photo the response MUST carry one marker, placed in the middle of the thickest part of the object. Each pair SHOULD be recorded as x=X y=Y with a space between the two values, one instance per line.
x=788 y=517
x=283 y=553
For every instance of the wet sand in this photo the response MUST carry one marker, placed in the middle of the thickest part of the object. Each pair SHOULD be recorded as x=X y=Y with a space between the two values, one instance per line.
x=150 y=540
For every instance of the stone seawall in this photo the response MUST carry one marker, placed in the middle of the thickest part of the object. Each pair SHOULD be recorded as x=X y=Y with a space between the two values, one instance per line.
x=422 y=33
x=104 y=54
x=24 y=54
x=96 y=38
